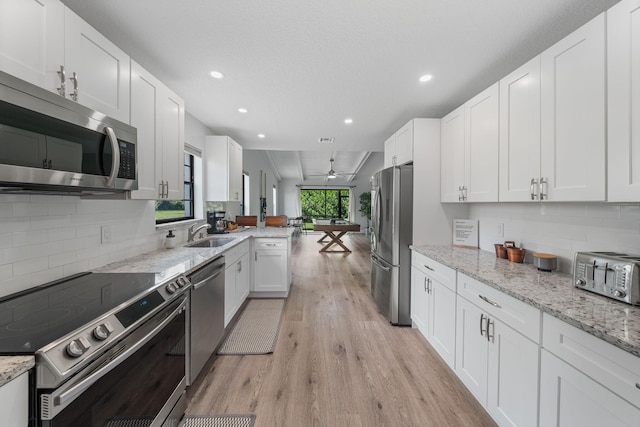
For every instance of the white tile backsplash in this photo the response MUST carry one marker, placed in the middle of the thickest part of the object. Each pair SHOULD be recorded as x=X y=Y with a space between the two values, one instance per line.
x=45 y=238
x=560 y=228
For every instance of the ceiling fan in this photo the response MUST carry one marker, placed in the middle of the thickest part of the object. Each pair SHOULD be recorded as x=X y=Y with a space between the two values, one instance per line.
x=332 y=174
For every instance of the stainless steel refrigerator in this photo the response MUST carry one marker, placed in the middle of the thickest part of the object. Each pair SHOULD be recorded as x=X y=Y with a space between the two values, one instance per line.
x=392 y=217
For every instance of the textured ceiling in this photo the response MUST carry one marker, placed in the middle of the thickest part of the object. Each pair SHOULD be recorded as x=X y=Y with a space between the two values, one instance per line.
x=302 y=67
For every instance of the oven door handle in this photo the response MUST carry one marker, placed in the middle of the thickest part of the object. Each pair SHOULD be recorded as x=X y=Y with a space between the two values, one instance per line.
x=68 y=396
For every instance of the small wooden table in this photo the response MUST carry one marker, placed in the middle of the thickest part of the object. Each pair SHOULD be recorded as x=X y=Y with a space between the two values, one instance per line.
x=330 y=231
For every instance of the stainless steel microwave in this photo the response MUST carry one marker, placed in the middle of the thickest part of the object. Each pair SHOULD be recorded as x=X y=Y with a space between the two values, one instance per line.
x=52 y=144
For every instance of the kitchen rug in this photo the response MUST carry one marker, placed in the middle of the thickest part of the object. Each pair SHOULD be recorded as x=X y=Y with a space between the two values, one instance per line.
x=219 y=420
x=256 y=331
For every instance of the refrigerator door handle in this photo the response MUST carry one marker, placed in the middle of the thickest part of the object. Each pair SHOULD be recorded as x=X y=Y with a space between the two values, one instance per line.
x=373 y=260
x=378 y=203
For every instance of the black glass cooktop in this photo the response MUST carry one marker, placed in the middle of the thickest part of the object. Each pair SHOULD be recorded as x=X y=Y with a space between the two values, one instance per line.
x=34 y=318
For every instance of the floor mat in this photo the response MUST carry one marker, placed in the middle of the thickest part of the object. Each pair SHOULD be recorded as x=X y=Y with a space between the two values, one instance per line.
x=219 y=421
x=256 y=331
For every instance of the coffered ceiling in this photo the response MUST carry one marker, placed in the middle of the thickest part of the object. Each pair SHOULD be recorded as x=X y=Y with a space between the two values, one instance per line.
x=300 y=68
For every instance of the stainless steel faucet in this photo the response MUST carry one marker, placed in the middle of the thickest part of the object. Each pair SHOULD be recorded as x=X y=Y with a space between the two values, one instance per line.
x=193 y=230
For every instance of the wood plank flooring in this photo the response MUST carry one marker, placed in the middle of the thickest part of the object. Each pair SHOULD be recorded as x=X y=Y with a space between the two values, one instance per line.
x=337 y=361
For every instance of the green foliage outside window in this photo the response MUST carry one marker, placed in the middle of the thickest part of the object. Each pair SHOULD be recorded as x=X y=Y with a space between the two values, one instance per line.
x=324 y=203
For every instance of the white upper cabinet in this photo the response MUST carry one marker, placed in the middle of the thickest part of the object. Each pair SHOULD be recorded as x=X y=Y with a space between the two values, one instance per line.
x=469 y=150
x=481 y=115
x=390 y=151
x=623 y=60
x=452 y=152
x=223 y=169
x=520 y=133
x=46 y=44
x=100 y=67
x=158 y=114
x=32 y=40
x=398 y=149
x=573 y=117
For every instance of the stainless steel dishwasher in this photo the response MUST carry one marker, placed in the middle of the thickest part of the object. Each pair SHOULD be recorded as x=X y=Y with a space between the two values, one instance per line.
x=206 y=315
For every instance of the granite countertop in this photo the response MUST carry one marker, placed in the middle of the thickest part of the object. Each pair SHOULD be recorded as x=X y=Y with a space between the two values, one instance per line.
x=613 y=321
x=181 y=259
x=13 y=366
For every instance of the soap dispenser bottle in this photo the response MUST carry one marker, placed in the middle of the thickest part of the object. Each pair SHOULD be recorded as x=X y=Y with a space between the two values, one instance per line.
x=170 y=240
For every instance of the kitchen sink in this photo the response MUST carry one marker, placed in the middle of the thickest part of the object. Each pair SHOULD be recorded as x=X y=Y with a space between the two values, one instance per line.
x=211 y=243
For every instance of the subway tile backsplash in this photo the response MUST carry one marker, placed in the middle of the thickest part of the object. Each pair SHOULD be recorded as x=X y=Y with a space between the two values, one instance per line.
x=44 y=238
x=560 y=228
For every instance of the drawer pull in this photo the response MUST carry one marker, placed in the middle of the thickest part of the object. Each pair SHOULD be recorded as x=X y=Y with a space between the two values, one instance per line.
x=428 y=268
x=493 y=303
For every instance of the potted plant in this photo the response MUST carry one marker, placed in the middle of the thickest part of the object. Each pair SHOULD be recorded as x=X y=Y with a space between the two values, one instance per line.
x=365 y=207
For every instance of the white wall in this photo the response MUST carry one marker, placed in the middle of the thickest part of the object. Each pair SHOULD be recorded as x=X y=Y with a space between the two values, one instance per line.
x=289 y=189
x=560 y=228
x=46 y=237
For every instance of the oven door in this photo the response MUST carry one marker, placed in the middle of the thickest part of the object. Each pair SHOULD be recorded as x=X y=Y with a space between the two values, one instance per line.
x=139 y=381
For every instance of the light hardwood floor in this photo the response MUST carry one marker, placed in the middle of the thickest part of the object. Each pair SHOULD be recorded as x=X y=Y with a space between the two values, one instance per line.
x=337 y=361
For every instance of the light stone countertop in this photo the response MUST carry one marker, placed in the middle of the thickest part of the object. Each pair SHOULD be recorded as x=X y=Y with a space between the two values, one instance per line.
x=12 y=367
x=167 y=263
x=181 y=259
x=553 y=293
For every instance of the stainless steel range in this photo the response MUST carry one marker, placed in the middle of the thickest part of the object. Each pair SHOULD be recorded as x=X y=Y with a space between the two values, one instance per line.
x=108 y=346
x=615 y=275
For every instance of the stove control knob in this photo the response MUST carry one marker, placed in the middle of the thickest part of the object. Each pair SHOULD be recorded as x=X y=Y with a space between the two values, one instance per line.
x=580 y=282
x=171 y=288
x=76 y=348
x=102 y=332
x=619 y=294
x=181 y=282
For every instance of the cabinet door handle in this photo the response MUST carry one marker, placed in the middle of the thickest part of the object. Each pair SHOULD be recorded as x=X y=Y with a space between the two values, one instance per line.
x=161 y=190
x=543 y=182
x=256 y=255
x=425 y=284
x=493 y=303
x=62 y=89
x=464 y=195
x=534 y=193
x=74 y=79
x=482 y=329
x=491 y=334
x=638 y=385
x=239 y=266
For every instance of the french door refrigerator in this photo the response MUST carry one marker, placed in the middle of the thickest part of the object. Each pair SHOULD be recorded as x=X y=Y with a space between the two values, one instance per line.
x=392 y=217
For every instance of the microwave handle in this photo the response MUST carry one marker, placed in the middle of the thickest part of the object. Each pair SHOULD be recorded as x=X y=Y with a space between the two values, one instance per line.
x=115 y=165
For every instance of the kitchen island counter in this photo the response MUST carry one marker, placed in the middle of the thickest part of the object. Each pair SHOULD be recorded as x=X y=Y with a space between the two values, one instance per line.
x=612 y=321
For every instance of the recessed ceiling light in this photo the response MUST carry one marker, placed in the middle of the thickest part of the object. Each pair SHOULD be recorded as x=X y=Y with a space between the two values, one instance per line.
x=243 y=110
x=348 y=121
x=216 y=74
x=261 y=135
x=425 y=78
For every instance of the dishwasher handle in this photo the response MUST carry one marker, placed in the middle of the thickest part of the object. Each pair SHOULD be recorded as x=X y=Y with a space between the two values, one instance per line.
x=215 y=274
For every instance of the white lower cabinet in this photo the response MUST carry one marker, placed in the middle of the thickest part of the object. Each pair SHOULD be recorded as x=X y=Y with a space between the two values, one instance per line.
x=271 y=267
x=14 y=402
x=497 y=363
x=433 y=310
x=236 y=279
x=586 y=381
x=570 y=398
